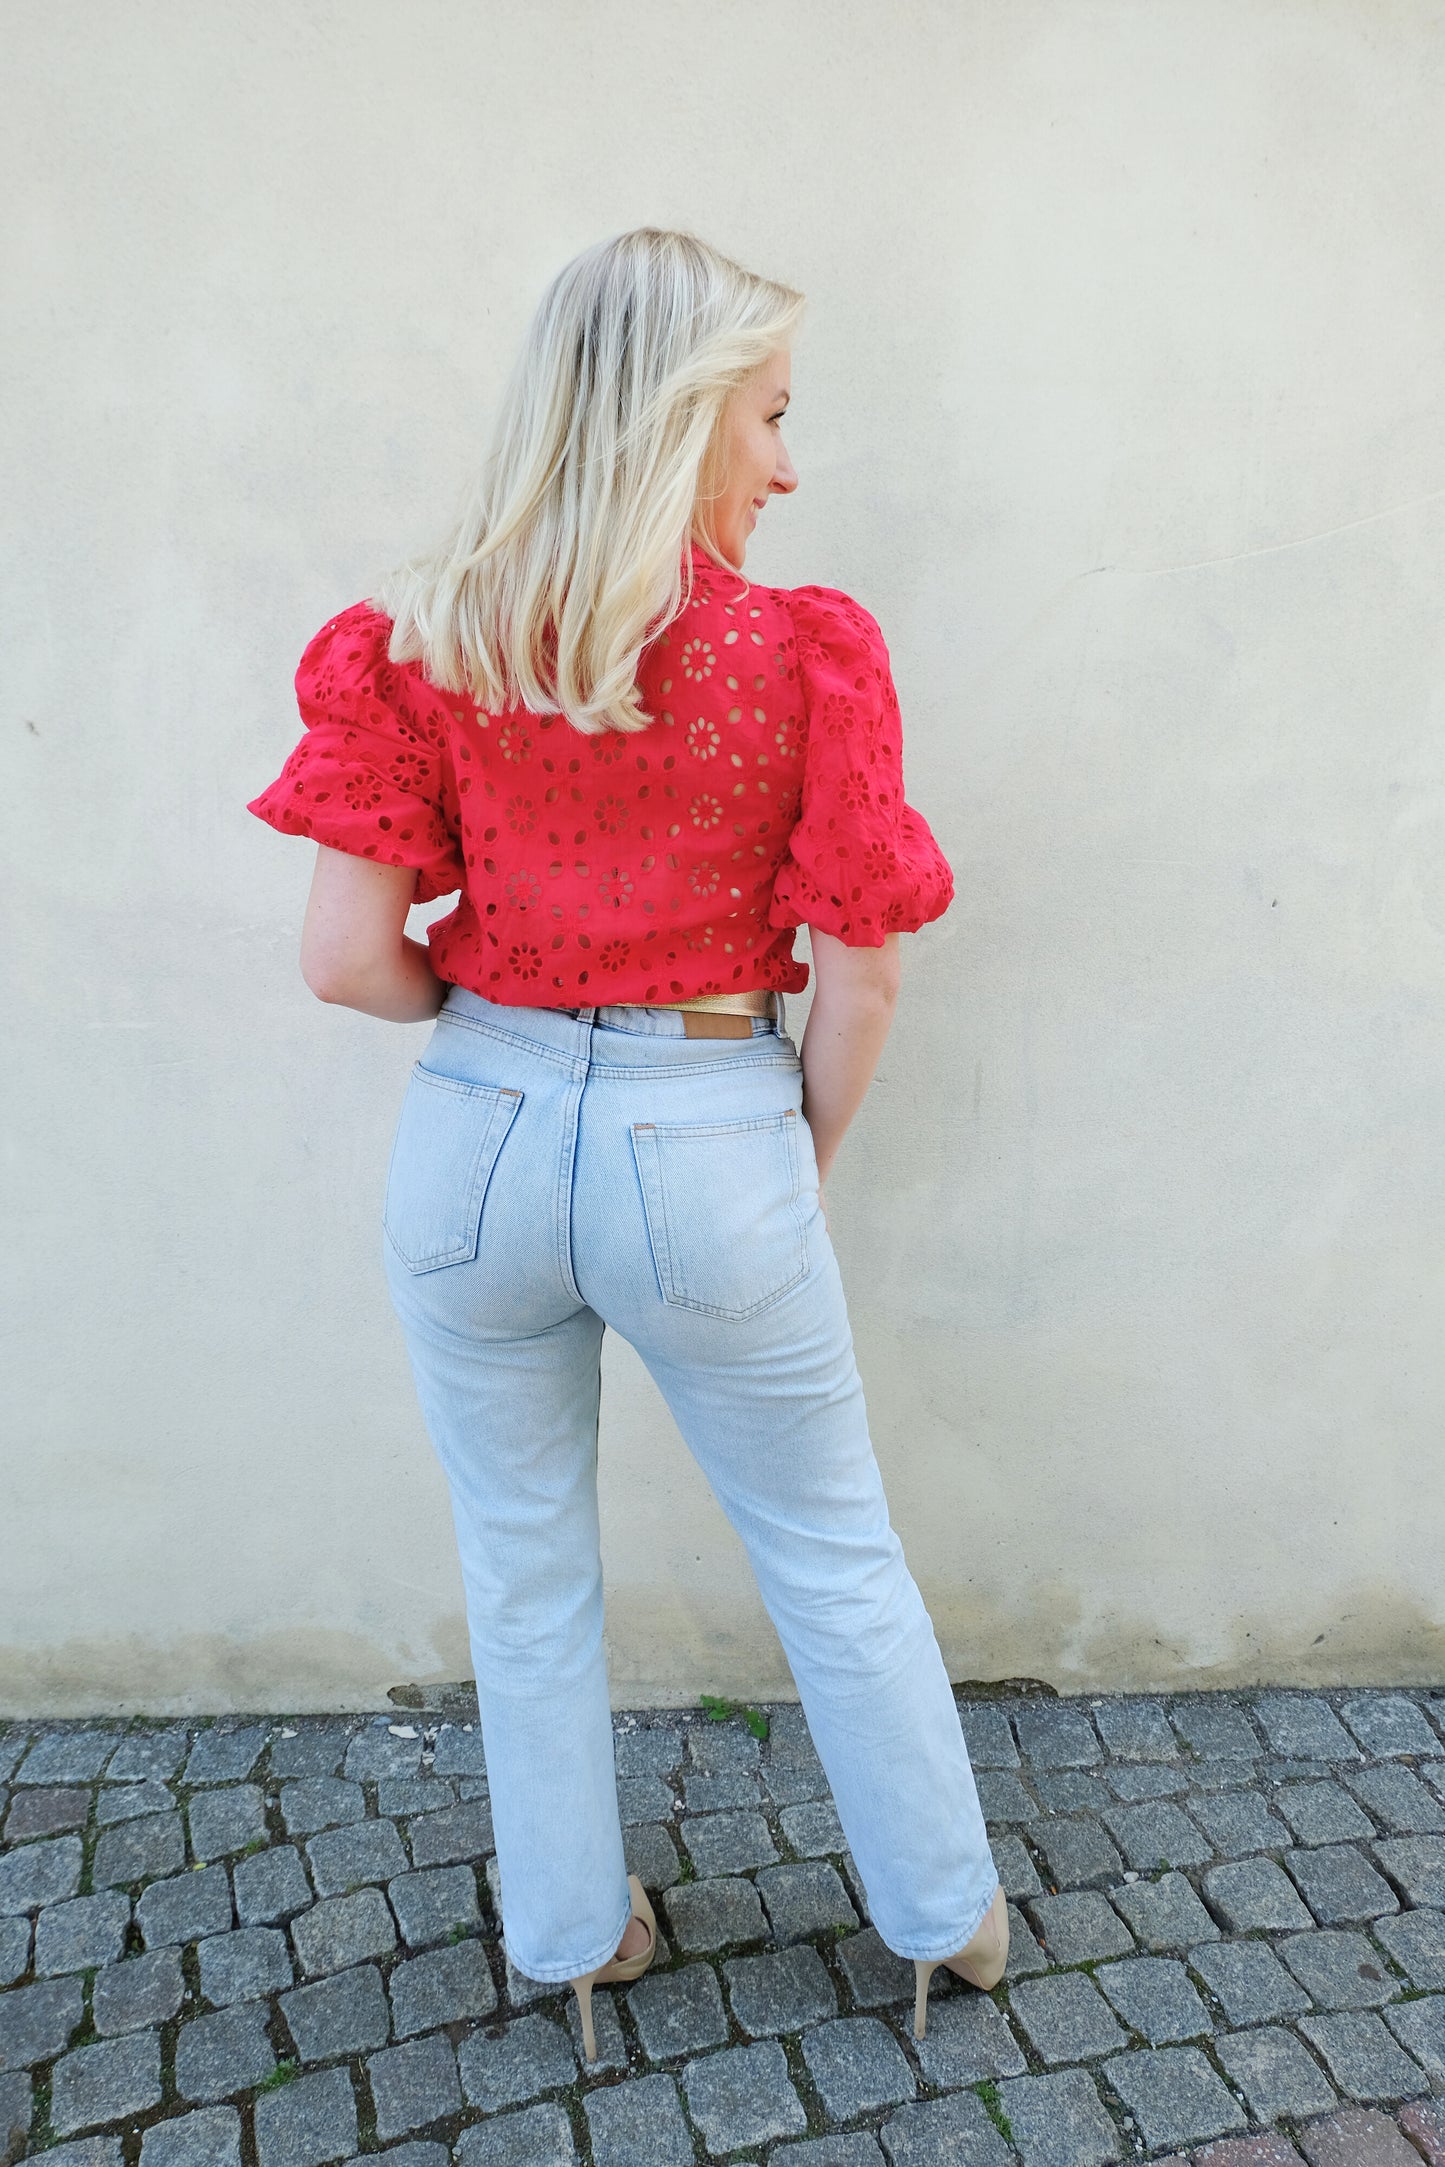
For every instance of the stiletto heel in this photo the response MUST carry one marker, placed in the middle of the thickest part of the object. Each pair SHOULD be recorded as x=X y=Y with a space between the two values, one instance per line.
x=620 y=1967
x=981 y=1961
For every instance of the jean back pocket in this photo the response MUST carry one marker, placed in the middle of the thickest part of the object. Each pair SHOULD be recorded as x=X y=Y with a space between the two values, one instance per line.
x=723 y=1213
x=447 y=1142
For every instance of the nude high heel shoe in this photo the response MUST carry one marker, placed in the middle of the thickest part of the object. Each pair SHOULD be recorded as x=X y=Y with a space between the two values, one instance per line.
x=981 y=1961
x=620 y=1967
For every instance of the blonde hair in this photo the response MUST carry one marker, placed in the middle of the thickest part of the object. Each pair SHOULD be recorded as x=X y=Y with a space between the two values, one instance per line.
x=573 y=551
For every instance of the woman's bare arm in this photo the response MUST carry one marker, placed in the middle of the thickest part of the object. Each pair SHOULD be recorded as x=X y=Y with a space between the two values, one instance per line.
x=354 y=949
x=855 y=994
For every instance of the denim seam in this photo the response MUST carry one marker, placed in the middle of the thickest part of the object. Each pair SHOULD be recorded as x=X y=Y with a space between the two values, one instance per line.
x=575 y=1063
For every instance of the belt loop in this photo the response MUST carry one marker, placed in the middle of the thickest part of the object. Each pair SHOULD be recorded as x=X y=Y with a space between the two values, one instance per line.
x=781 y=1018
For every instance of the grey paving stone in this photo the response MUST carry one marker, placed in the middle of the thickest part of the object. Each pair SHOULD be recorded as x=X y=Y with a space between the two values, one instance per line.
x=39 y=1873
x=12 y=1746
x=719 y=1746
x=1077 y=1853
x=1416 y=1941
x=1302 y=1728
x=139 y=1850
x=244 y=1966
x=1058 y=2122
x=1420 y=2028
x=645 y=1798
x=1164 y=1914
x=36 y=2022
x=421 y=2152
x=79 y=1935
x=46 y=1813
x=99 y=2084
x=1153 y=1996
x=63 y=1756
x=988 y=1734
x=705 y=1793
x=1070 y=1790
x=1388 y=1723
x=1025 y=1957
x=1399 y=1799
x=638 y=2124
x=1066 y=2018
x=528 y=2056
x=144 y=1990
x=857 y=2150
x=814 y=1830
x=452 y=1835
x=343 y=1931
x=1248 y=1981
x=780 y=1992
x=17 y=2105
x=432 y=1906
x=344 y=1859
x=945 y=2133
x=1174 y=2095
x=1247 y=1893
x=272 y=1887
x=1077 y=1928
x=1275 y=2074
x=459 y=1752
x=132 y=1801
x=804 y=1899
x=1238 y=1821
x=206 y=2137
x=1015 y=1868
x=1417 y=1864
x=648 y=1752
x=185 y=1908
x=743 y=2096
x=413 y=1796
x=651 y=1854
x=316 y=1749
x=225 y=1753
x=856 y=2065
x=537 y=2137
x=347 y=2014
x=449 y=1986
x=1216 y=1729
x=1340 y=1885
x=1054 y=1734
x=413 y=2086
x=1003 y=1797
x=86 y=2152
x=145 y=1756
x=374 y=1754
x=313 y=1803
x=606 y=2033
x=789 y=1738
x=1135 y=1780
x=788 y=1786
x=853 y=1882
x=967 y=2040
x=874 y=1974
x=1339 y=1970
x=678 y=2012
x=225 y=1821
x=1157 y=1834
x=704 y=1915
x=1365 y=2062
x=1135 y=1730
x=217 y=2056
x=308 y=2122
x=14 y=1949
x=728 y=1843
x=1321 y=1813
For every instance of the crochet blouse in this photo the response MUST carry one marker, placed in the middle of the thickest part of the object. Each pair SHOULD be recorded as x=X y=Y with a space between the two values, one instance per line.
x=766 y=792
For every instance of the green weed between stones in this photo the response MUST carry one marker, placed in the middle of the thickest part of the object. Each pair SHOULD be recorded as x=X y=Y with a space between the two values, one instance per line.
x=718 y=1710
x=988 y=2093
x=283 y=2073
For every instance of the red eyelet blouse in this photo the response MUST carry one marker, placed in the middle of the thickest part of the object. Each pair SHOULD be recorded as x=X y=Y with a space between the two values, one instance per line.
x=766 y=793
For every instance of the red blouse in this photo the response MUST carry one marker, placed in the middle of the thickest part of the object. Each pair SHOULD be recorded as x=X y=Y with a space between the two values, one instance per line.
x=766 y=793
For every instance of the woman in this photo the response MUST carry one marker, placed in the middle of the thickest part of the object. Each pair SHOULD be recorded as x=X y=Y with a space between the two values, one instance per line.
x=643 y=775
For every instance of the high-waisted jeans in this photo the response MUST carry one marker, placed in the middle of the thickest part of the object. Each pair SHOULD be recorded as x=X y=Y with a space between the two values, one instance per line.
x=556 y=1171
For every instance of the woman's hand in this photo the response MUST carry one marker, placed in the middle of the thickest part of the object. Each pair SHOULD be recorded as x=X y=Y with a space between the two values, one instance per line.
x=354 y=949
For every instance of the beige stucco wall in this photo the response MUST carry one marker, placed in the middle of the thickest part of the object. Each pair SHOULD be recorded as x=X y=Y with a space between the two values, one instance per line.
x=1120 y=403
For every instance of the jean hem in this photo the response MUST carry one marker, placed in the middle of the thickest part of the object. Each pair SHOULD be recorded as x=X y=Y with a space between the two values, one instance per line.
x=549 y=1976
x=951 y=1948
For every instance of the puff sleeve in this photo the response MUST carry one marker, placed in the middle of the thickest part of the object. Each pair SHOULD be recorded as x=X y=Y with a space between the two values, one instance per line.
x=372 y=774
x=861 y=863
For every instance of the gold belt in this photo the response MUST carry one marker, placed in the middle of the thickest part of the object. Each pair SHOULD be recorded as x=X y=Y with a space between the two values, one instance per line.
x=719 y=1015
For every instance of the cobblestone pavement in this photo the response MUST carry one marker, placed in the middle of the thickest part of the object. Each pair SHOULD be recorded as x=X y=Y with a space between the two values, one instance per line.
x=279 y=1943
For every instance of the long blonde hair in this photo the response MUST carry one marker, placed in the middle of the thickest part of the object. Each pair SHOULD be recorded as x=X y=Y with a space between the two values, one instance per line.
x=573 y=551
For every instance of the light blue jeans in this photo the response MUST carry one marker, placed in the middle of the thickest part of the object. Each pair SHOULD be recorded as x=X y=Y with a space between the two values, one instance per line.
x=557 y=1171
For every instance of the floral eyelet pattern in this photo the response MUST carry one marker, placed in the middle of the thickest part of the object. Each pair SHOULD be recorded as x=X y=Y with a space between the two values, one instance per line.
x=675 y=861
